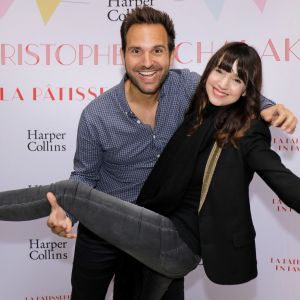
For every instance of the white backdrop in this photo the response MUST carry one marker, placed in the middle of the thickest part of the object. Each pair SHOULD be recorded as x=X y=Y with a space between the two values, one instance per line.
x=55 y=56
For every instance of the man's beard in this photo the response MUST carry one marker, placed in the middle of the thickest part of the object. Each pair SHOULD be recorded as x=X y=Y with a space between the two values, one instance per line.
x=137 y=84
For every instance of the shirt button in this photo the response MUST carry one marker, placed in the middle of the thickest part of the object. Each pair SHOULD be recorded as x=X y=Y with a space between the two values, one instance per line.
x=138 y=121
x=154 y=136
x=158 y=155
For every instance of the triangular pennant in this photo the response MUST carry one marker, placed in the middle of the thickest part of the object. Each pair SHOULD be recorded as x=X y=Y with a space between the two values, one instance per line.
x=47 y=8
x=260 y=4
x=4 y=6
x=215 y=7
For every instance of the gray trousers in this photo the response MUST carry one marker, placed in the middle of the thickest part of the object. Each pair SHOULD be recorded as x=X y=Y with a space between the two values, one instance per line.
x=149 y=237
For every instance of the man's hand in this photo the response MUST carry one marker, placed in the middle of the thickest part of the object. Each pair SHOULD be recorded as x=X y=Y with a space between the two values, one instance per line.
x=58 y=221
x=279 y=116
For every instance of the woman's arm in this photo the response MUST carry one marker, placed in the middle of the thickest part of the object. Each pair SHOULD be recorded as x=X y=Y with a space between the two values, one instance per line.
x=267 y=163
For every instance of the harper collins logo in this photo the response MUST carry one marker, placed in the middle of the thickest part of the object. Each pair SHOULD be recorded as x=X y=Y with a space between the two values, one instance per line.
x=39 y=250
x=119 y=9
x=46 y=141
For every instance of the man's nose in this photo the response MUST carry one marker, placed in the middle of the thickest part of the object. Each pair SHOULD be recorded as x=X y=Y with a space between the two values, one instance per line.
x=147 y=59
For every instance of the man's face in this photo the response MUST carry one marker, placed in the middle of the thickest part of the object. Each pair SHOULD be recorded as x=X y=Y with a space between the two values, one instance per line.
x=147 y=58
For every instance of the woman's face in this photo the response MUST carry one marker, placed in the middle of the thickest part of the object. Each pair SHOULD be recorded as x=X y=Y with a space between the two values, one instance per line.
x=224 y=88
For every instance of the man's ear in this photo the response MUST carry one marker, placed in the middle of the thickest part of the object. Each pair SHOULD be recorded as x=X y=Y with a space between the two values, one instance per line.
x=172 y=56
x=122 y=56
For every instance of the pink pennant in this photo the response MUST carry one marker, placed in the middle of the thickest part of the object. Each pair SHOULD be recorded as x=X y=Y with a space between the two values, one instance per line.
x=4 y=6
x=260 y=4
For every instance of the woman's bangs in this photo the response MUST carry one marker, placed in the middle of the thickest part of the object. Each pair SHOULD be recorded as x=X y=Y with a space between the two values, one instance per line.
x=226 y=63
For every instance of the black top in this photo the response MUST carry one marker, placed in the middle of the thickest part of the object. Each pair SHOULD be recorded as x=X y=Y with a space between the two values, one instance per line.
x=185 y=218
x=176 y=164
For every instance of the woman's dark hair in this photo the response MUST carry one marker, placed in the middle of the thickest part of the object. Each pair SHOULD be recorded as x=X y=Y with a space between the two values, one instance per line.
x=233 y=120
x=148 y=15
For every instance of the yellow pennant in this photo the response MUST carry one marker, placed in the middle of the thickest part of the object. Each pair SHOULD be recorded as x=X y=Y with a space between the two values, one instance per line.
x=47 y=8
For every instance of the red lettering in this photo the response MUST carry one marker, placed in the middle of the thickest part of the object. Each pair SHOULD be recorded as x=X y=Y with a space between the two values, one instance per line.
x=117 y=54
x=82 y=54
x=97 y=55
x=48 y=53
x=200 y=51
x=20 y=55
x=58 y=54
x=36 y=92
x=1 y=94
x=273 y=50
x=279 y=268
x=49 y=94
x=177 y=56
x=61 y=93
x=80 y=93
x=70 y=94
x=33 y=54
x=102 y=90
x=18 y=95
x=91 y=92
x=288 y=49
x=5 y=55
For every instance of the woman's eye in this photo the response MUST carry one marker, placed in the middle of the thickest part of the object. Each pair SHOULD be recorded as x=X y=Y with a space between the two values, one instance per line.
x=237 y=80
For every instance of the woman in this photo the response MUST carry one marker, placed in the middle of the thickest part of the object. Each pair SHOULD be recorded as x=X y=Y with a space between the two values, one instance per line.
x=168 y=232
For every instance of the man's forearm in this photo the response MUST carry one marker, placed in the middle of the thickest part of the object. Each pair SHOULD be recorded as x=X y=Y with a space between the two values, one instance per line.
x=265 y=102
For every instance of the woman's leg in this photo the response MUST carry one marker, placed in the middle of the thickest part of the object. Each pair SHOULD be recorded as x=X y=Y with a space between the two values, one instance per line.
x=145 y=235
x=25 y=204
x=154 y=285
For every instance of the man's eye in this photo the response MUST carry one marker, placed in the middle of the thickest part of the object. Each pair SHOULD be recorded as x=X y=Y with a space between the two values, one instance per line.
x=135 y=51
x=158 y=51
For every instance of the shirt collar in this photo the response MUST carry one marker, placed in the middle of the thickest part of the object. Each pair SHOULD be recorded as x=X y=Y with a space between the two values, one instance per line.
x=121 y=97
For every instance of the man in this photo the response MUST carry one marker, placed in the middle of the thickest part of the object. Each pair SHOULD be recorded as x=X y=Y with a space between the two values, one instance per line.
x=122 y=133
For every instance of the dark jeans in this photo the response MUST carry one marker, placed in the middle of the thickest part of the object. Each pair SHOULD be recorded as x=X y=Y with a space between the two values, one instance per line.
x=95 y=264
x=147 y=236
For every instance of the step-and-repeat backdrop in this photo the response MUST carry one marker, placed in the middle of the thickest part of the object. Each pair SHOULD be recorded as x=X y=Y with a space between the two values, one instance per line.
x=57 y=55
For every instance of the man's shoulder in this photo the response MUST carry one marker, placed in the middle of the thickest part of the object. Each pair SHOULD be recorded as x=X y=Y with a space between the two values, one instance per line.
x=183 y=73
x=181 y=83
x=105 y=101
x=183 y=79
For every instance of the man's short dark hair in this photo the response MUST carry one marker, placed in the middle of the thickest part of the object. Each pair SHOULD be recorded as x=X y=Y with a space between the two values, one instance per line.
x=148 y=15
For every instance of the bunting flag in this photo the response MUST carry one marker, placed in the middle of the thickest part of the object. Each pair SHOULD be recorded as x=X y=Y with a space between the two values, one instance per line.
x=215 y=7
x=47 y=8
x=260 y=4
x=4 y=6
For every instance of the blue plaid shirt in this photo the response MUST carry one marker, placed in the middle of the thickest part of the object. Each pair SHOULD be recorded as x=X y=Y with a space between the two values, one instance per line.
x=115 y=150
